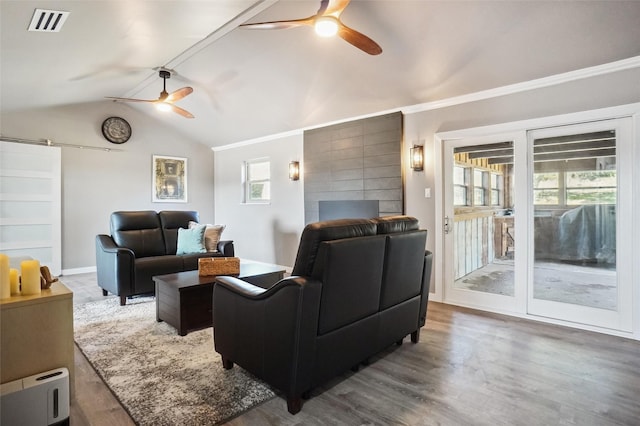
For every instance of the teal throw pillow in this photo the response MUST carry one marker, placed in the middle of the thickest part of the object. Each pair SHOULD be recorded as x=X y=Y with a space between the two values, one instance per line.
x=191 y=240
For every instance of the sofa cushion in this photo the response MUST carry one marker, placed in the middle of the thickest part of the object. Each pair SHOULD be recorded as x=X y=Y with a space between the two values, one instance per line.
x=395 y=224
x=139 y=231
x=191 y=240
x=149 y=267
x=403 y=265
x=171 y=221
x=315 y=233
x=211 y=235
x=350 y=270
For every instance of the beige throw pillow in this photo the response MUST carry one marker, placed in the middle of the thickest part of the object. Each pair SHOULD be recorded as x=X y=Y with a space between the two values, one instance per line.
x=212 y=235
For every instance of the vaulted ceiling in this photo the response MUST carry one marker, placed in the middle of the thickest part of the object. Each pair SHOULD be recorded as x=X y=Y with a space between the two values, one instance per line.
x=251 y=83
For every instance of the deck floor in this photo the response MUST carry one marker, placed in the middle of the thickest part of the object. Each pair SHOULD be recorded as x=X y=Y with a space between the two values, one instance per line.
x=560 y=282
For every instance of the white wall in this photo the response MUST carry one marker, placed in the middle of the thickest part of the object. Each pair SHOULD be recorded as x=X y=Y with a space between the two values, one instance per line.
x=262 y=232
x=581 y=95
x=271 y=233
x=96 y=183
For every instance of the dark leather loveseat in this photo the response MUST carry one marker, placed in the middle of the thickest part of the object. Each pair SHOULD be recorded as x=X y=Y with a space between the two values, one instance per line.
x=143 y=244
x=357 y=287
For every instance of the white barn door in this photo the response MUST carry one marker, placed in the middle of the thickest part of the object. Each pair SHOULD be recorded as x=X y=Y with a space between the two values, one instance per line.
x=30 y=203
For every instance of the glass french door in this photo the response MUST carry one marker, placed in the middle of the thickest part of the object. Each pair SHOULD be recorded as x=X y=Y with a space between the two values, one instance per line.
x=481 y=222
x=535 y=220
x=580 y=205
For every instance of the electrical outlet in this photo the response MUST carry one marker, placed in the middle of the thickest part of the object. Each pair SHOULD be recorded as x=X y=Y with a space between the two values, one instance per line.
x=427 y=193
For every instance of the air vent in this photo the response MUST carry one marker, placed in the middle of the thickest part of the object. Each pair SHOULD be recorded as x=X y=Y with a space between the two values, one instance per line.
x=48 y=21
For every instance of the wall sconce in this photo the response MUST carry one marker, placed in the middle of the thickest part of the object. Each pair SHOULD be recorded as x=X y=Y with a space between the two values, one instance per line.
x=417 y=157
x=294 y=170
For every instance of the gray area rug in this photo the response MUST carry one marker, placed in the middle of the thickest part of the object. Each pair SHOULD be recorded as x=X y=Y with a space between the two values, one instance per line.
x=160 y=377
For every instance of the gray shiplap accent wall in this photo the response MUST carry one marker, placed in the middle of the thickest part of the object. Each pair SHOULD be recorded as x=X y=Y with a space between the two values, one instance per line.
x=358 y=160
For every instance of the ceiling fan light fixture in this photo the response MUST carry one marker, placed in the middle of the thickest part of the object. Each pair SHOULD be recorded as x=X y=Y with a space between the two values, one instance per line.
x=326 y=23
x=163 y=106
x=166 y=100
x=326 y=26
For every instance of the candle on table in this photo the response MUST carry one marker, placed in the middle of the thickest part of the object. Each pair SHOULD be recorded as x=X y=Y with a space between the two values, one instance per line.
x=14 y=281
x=30 y=277
x=5 y=284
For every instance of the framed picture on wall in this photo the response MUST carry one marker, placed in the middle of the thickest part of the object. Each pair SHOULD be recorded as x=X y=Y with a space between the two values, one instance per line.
x=169 y=179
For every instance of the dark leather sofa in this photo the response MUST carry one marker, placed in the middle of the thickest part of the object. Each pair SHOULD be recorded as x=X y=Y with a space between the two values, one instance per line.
x=143 y=244
x=357 y=287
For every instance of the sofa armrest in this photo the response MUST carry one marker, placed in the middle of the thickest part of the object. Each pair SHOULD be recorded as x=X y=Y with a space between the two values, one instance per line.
x=115 y=266
x=269 y=332
x=426 y=284
x=226 y=248
x=241 y=288
x=249 y=291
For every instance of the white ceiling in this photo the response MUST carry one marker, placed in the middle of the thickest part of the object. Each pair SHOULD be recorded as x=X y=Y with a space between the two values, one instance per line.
x=250 y=83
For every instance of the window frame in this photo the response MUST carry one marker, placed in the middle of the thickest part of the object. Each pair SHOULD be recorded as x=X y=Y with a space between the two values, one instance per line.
x=465 y=186
x=568 y=189
x=559 y=189
x=248 y=182
x=470 y=186
x=563 y=189
x=498 y=189
x=480 y=187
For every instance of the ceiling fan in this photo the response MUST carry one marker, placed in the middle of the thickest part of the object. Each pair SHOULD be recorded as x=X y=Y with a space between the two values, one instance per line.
x=165 y=101
x=326 y=23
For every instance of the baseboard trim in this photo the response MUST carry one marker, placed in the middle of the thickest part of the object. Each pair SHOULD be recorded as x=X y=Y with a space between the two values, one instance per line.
x=76 y=271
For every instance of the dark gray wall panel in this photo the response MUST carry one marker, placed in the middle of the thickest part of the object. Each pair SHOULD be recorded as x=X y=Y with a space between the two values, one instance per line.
x=359 y=160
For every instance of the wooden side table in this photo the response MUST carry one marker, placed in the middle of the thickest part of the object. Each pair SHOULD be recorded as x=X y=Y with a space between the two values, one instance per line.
x=37 y=334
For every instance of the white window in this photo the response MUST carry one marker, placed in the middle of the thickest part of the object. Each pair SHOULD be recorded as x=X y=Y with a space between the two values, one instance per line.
x=485 y=189
x=546 y=188
x=575 y=187
x=479 y=187
x=591 y=187
x=461 y=185
x=257 y=188
x=496 y=186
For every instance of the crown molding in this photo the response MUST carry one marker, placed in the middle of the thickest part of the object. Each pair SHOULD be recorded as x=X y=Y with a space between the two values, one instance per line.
x=611 y=67
x=608 y=68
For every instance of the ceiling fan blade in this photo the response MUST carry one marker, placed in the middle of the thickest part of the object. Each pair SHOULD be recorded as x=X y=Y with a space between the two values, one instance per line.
x=359 y=40
x=279 y=25
x=179 y=94
x=182 y=112
x=129 y=99
x=334 y=8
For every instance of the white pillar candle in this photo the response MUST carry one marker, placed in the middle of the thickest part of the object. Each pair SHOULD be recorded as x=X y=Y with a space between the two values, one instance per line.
x=30 y=277
x=5 y=283
x=14 y=280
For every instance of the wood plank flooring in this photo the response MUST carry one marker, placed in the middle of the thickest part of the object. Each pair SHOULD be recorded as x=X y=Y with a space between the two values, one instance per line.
x=469 y=368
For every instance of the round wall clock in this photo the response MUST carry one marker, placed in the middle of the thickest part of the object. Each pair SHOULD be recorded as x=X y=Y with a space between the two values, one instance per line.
x=116 y=130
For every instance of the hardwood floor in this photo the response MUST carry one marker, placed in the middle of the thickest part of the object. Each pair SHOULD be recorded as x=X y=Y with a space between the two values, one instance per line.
x=469 y=368
x=93 y=403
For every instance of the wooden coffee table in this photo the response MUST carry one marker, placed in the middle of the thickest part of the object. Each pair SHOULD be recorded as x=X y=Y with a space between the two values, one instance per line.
x=184 y=300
